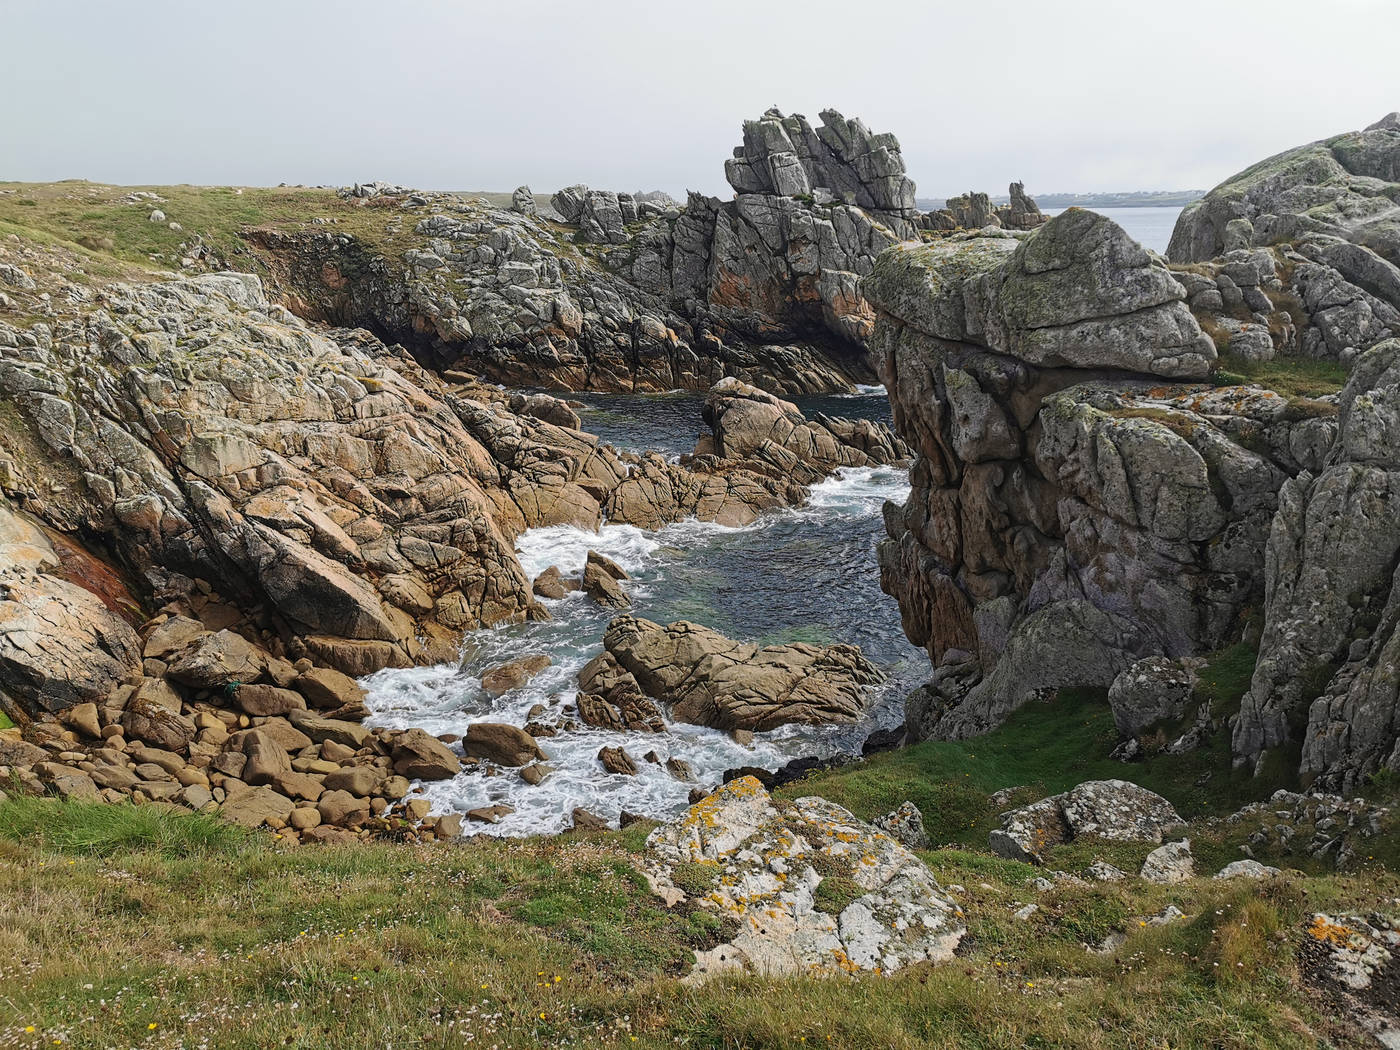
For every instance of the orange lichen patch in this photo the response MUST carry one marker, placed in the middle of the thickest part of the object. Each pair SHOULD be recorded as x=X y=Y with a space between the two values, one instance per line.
x=1328 y=932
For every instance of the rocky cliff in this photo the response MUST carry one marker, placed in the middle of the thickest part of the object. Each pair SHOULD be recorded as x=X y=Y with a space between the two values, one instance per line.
x=354 y=506
x=1092 y=487
x=599 y=292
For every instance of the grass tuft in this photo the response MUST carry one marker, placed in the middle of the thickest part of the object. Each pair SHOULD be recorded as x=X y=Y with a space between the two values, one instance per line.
x=101 y=828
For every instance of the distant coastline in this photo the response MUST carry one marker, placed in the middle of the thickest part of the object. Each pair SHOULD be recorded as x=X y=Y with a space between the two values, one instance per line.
x=1131 y=199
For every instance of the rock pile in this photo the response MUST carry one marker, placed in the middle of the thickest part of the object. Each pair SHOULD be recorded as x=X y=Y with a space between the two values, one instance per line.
x=1313 y=823
x=210 y=721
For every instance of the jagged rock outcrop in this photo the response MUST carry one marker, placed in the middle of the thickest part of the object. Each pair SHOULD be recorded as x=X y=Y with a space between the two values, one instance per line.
x=635 y=297
x=708 y=679
x=1081 y=500
x=208 y=433
x=814 y=207
x=1343 y=187
x=786 y=157
x=1022 y=213
x=1321 y=222
x=767 y=861
x=975 y=211
x=1073 y=509
x=1330 y=650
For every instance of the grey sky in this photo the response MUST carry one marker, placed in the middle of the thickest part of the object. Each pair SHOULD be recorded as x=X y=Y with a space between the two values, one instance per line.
x=1064 y=94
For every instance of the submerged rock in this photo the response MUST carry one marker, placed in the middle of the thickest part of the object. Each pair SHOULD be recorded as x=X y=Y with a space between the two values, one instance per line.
x=812 y=888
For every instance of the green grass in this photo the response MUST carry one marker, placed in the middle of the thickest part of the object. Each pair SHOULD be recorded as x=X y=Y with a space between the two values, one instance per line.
x=143 y=938
x=113 y=234
x=100 y=830
x=1044 y=748
x=1294 y=377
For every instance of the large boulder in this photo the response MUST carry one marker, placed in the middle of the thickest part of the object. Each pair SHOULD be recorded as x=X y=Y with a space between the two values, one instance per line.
x=505 y=745
x=708 y=679
x=811 y=887
x=1151 y=690
x=1108 y=809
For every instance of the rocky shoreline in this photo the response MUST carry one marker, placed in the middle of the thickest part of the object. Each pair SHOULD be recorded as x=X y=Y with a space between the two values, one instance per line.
x=225 y=497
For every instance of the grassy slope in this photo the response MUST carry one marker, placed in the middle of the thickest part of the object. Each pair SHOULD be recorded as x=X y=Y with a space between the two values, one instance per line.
x=92 y=215
x=136 y=927
x=130 y=928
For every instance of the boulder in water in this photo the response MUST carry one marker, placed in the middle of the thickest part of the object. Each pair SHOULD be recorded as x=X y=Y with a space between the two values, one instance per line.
x=714 y=681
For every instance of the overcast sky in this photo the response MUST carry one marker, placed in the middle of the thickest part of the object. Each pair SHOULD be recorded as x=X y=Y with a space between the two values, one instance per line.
x=1064 y=94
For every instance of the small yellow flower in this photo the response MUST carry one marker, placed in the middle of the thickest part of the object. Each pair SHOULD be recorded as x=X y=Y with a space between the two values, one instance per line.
x=152 y=1027
x=30 y=1028
x=541 y=1017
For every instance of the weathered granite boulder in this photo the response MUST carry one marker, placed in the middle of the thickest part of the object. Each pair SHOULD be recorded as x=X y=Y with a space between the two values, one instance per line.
x=512 y=675
x=1169 y=864
x=769 y=434
x=609 y=697
x=769 y=861
x=506 y=745
x=1108 y=809
x=1150 y=691
x=523 y=201
x=708 y=679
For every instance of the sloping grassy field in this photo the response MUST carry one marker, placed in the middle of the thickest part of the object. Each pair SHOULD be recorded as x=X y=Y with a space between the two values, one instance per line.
x=180 y=931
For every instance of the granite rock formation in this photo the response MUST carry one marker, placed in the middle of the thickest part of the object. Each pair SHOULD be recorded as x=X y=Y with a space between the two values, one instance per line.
x=1090 y=487
x=708 y=679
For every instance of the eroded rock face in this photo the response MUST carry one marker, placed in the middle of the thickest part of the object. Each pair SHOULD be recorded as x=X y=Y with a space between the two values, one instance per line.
x=766 y=858
x=708 y=679
x=1075 y=505
x=212 y=434
x=60 y=645
x=1343 y=186
x=636 y=297
x=1329 y=650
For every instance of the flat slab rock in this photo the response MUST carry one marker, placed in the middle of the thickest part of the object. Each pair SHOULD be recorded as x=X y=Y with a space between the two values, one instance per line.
x=767 y=860
x=1107 y=809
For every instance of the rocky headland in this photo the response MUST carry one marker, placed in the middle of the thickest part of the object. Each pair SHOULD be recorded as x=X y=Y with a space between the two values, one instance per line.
x=1149 y=549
